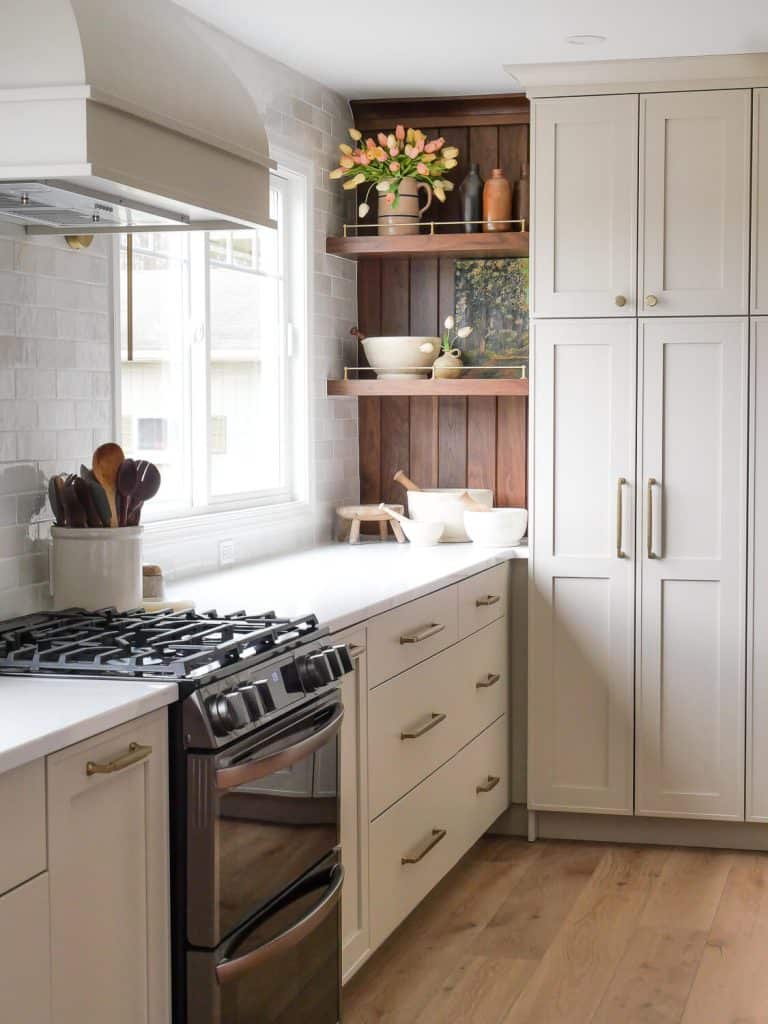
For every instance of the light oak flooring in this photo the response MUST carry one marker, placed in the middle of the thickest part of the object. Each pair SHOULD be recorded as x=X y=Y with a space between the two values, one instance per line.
x=570 y=933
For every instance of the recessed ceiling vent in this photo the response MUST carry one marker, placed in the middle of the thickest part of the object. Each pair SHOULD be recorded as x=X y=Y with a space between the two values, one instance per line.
x=117 y=115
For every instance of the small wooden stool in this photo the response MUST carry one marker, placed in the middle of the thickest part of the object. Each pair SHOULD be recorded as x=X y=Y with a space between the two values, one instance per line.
x=352 y=515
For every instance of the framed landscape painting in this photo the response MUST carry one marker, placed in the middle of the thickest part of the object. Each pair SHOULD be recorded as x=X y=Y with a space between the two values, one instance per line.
x=491 y=295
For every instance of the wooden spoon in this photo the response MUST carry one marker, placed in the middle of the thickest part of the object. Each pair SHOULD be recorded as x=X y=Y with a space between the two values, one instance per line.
x=58 y=484
x=147 y=486
x=106 y=462
x=75 y=512
x=53 y=499
x=127 y=482
x=405 y=481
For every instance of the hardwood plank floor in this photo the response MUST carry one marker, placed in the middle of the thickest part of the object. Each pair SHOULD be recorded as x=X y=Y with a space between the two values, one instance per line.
x=577 y=933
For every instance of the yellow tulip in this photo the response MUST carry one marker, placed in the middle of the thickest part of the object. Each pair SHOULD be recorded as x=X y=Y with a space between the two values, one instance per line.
x=345 y=148
x=337 y=172
x=439 y=193
x=347 y=161
x=449 y=164
x=428 y=157
x=391 y=141
x=355 y=134
x=450 y=152
x=409 y=135
x=354 y=182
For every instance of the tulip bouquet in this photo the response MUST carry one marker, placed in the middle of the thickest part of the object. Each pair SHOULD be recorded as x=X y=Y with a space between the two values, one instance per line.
x=387 y=160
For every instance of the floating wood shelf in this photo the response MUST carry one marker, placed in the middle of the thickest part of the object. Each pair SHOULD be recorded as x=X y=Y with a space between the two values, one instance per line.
x=468 y=246
x=405 y=386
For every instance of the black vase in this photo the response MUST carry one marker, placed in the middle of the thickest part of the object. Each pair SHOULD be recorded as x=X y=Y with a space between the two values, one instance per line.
x=471 y=192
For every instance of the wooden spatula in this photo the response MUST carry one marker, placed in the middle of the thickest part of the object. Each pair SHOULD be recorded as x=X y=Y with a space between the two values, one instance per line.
x=107 y=460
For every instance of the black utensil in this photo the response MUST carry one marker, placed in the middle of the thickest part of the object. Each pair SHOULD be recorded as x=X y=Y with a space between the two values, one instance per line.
x=98 y=494
x=53 y=499
x=127 y=482
x=147 y=486
x=84 y=496
x=74 y=511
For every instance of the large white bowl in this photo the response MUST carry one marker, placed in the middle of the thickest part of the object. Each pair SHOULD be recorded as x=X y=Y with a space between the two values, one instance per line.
x=443 y=505
x=396 y=354
x=498 y=527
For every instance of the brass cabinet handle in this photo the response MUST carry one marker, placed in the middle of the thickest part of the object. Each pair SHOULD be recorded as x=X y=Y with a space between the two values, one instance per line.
x=136 y=753
x=651 y=300
x=652 y=481
x=620 y=553
x=422 y=634
x=491 y=783
x=620 y=300
x=490 y=680
x=434 y=719
x=438 y=835
x=483 y=602
x=356 y=651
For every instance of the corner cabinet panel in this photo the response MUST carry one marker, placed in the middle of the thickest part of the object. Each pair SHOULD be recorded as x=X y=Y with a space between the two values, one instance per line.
x=584 y=220
x=694 y=203
x=757 y=646
x=581 y=606
x=692 y=467
x=108 y=866
x=760 y=203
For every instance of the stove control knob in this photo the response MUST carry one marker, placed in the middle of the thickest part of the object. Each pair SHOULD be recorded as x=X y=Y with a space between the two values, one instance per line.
x=344 y=658
x=224 y=718
x=314 y=671
x=321 y=668
x=250 y=695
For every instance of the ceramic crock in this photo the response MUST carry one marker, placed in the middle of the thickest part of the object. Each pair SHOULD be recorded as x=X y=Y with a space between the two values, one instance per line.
x=96 y=568
x=403 y=218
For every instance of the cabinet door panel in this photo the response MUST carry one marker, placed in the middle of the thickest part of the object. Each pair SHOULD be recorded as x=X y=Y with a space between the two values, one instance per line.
x=760 y=203
x=25 y=955
x=694 y=202
x=582 y=593
x=585 y=214
x=691 y=592
x=108 y=866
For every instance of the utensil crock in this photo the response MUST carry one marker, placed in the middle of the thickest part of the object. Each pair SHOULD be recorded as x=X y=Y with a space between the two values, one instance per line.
x=96 y=568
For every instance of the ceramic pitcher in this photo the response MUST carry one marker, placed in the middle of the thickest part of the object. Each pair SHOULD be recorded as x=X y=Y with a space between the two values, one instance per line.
x=403 y=218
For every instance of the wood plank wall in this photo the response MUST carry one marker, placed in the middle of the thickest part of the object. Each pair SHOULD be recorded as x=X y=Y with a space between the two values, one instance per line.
x=440 y=442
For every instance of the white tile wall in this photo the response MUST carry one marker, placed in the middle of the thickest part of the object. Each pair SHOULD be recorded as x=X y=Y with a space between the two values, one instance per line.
x=56 y=357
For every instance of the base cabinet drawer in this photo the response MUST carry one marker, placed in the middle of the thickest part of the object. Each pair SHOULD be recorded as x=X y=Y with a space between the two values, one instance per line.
x=22 y=820
x=25 y=956
x=483 y=599
x=423 y=716
x=411 y=633
x=418 y=840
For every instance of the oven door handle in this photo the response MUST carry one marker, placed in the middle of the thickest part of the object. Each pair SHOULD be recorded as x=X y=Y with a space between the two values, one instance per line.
x=259 y=768
x=231 y=970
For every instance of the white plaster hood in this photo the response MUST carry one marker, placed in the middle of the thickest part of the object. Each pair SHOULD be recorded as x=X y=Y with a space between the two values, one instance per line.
x=116 y=115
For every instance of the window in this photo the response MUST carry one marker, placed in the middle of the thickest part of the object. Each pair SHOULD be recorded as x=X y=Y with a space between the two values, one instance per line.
x=213 y=389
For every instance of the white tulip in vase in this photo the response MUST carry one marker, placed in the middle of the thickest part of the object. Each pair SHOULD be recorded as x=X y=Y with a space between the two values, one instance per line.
x=448 y=364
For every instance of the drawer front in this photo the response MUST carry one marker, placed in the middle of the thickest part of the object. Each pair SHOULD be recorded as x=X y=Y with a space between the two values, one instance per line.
x=22 y=813
x=411 y=633
x=421 y=718
x=483 y=599
x=418 y=840
x=25 y=959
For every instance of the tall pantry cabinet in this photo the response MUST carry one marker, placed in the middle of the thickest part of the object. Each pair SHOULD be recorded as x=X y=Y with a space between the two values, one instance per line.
x=641 y=685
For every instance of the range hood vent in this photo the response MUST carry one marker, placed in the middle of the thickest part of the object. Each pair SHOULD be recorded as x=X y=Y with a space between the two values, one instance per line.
x=118 y=115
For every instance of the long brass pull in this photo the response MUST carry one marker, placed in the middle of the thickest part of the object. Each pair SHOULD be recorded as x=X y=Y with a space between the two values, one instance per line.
x=652 y=481
x=490 y=680
x=413 y=734
x=491 y=783
x=422 y=634
x=136 y=753
x=438 y=834
x=620 y=552
x=356 y=651
x=483 y=602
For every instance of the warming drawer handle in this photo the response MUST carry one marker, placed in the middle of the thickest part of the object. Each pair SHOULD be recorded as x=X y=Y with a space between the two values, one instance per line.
x=136 y=752
x=231 y=970
x=490 y=783
x=434 y=719
x=422 y=634
x=438 y=835
x=483 y=602
x=260 y=768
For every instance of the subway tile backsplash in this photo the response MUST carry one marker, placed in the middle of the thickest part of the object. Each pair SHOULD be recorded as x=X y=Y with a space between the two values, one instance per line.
x=56 y=357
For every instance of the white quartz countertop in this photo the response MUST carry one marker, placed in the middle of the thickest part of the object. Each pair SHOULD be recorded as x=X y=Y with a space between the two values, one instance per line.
x=40 y=714
x=342 y=584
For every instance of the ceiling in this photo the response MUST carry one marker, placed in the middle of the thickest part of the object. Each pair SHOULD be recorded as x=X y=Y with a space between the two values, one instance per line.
x=452 y=47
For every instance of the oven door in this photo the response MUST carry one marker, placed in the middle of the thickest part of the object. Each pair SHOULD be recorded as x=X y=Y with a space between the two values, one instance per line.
x=260 y=815
x=281 y=967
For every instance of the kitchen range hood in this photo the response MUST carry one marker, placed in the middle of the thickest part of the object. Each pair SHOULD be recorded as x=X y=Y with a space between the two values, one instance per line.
x=118 y=115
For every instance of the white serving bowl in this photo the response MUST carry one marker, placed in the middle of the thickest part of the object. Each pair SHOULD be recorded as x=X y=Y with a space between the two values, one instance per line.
x=498 y=527
x=443 y=504
x=395 y=354
x=422 y=535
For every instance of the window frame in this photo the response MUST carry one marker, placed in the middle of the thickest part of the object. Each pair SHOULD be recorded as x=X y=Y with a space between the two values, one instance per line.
x=293 y=500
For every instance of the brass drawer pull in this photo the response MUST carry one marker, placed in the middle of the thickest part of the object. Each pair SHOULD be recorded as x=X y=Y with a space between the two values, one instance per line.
x=483 y=602
x=422 y=634
x=356 y=651
x=490 y=680
x=491 y=783
x=438 y=834
x=136 y=753
x=413 y=734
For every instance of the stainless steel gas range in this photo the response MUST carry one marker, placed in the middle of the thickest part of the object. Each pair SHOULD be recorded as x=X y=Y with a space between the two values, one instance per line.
x=256 y=869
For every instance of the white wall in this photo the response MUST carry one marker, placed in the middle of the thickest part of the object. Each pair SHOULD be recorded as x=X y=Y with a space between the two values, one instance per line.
x=56 y=350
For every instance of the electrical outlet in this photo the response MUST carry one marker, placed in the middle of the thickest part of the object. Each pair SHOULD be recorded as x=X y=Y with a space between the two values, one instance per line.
x=226 y=552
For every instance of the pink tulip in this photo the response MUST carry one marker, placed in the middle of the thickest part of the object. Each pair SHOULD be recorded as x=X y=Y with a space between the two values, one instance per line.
x=422 y=168
x=364 y=160
x=412 y=152
x=394 y=167
x=389 y=198
x=370 y=144
x=357 y=157
x=382 y=139
x=432 y=147
x=394 y=151
x=400 y=132
x=420 y=145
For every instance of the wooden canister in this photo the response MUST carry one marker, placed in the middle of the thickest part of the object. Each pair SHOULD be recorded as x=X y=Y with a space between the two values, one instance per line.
x=497 y=202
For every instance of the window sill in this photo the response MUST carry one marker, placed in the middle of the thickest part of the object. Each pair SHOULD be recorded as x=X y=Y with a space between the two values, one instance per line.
x=227 y=521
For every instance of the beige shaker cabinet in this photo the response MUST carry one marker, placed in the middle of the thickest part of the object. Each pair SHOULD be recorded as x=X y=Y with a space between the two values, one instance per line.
x=759 y=304
x=581 y=597
x=584 y=219
x=108 y=867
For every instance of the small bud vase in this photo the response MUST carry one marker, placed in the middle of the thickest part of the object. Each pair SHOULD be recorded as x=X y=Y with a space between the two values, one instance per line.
x=448 y=365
